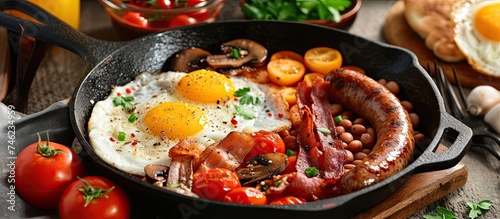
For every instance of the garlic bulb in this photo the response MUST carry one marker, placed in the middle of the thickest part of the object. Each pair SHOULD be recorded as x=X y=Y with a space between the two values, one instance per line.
x=481 y=99
x=493 y=118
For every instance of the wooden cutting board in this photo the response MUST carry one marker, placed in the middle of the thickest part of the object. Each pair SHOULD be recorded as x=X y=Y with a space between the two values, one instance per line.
x=397 y=32
x=419 y=191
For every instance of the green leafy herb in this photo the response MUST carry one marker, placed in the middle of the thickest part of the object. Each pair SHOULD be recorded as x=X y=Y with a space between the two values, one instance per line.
x=311 y=171
x=245 y=111
x=235 y=53
x=289 y=152
x=124 y=101
x=476 y=209
x=443 y=213
x=277 y=183
x=245 y=98
x=295 y=10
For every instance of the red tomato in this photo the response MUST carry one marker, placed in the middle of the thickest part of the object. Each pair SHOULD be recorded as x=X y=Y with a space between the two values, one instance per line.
x=107 y=201
x=165 y=4
x=215 y=183
x=288 y=200
x=191 y=3
x=292 y=162
x=246 y=195
x=181 y=20
x=265 y=142
x=44 y=170
x=135 y=19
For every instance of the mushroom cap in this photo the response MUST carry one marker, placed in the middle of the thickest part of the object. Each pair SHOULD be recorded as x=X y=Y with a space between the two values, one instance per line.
x=189 y=60
x=255 y=54
x=262 y=166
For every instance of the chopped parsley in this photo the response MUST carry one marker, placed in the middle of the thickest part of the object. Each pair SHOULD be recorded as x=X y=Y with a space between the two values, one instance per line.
x=325 y=131
x=311 y=172
x=245 y=98
x=124 y=101
x=245 y=111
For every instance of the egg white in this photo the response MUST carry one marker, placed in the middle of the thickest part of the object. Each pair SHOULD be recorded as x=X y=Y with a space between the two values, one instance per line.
x=482 y=54
x=141 y=147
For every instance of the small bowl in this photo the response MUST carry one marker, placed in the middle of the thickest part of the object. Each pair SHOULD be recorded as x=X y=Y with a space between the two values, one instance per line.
x=131 y=21
x=346 y=19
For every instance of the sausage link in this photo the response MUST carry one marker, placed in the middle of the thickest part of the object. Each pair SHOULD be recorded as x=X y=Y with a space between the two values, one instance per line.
x=394 y=147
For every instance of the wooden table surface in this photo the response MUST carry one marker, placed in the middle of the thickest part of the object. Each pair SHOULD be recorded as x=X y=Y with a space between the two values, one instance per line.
x=61 y=70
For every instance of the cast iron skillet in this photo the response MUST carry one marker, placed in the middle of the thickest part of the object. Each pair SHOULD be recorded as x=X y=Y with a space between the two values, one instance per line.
x=116 y=63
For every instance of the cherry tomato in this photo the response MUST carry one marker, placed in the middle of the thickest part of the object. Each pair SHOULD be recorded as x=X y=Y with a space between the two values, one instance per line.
x=355 y=68
x=44 y=170
x=292 y=162
x=181 y=20
x=246 y=195
x=309 y=78
x=165 y=4
x=285 y=72
x=94 y=197
x=287 y=54
x=289 y=94
x=322 y=59
x=135 y=19
x=265 y=142
x=215 y=183
x=191 y=3
x=287 y=200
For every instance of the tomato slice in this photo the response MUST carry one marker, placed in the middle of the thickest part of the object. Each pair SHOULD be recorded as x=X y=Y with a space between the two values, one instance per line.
x=265 y=142
x=287 y=54
x=246 y=195
x=215 y=183
x=309 y=78
x=322 y=59
x=289 y=94
x=135 y=19
x=285 y=72
x=181 y=20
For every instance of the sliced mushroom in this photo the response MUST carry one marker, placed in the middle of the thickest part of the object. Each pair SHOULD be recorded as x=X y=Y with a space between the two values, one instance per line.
x=238 y=53
x=156 y=173
x=189 y=60
x=262 y=167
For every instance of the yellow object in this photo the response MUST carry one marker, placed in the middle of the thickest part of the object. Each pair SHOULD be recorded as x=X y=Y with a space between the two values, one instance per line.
x=487 y=21
x=66 y=10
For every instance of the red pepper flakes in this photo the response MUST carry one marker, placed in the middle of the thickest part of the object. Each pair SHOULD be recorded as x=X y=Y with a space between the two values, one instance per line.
x=280 y=115
x=132 y=135
x=119 y=94
x=112 y=139
x=269 y=114
x=234 y=121
x=128 y=90
x=134 y=143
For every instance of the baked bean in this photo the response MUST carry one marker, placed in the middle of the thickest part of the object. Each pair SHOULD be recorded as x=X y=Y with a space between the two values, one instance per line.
x=360 y=156
x=348 y=115
x=419 y=137
x=367 y=140
x=349 y=156
x=360 y=121
x=336 y=109
x=291 y=142
x=393 y=87
x=358 y=129
x=366 y=150
x=382 y=81
x=346 y=123
x=356 y=162
x=339 y=130
x=346 y=137
x=371 y=131
x=415 y=120
x=345 y=146
x=407 y=105
x=355 y=146
x=349 y=166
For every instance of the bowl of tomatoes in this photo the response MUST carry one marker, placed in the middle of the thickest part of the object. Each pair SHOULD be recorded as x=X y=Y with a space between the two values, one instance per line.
x=337 y=14
x=136 y=18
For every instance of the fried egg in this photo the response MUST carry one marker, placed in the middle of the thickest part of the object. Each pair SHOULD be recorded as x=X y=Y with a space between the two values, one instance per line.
x=477 y=33
x=203 y=106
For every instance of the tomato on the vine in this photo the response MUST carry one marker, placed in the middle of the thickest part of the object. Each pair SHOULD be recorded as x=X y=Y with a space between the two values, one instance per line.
x=94 y=197
x=265 y=142
x=44 y=170
x=246 y=195
x=181 y=20
x=136 y=19
x=215 y=183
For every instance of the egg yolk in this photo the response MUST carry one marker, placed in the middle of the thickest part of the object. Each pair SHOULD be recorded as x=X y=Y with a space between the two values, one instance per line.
x=175 y=120
x=487 y=21
x=206 y=86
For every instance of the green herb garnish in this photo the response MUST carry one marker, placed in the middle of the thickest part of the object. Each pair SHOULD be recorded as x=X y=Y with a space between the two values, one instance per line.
x=337 y=119
x=124 y=101
x=277 y=183
x=325 y=131
x=235 y=54
x=289 y=152
x=245 y=98
x=443 y=213
x=132 y=118
x=121 y=136
x=476 y=209
x=245 y=111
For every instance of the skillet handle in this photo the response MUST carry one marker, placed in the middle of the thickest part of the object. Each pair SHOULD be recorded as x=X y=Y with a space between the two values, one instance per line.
x=54 y=31
x=452 y=130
